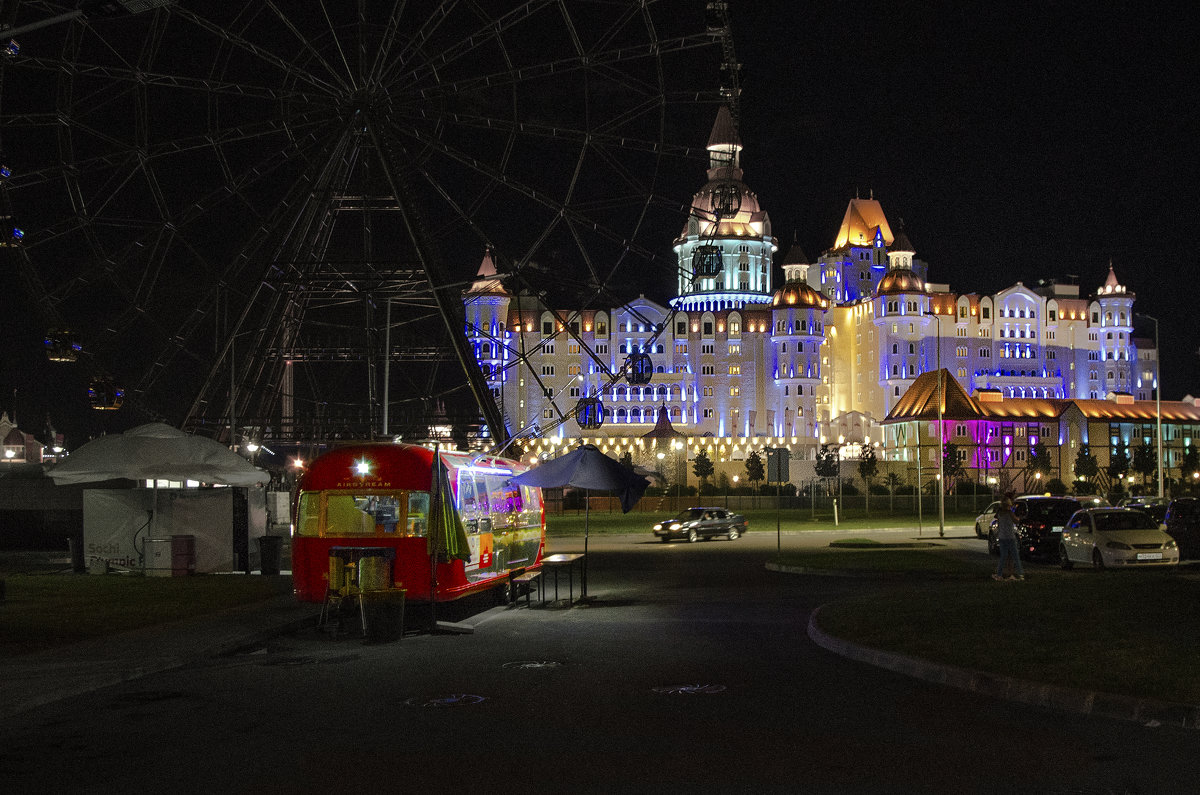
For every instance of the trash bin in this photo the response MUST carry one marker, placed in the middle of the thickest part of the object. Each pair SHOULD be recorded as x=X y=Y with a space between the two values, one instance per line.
x=383 y=612
x=270 y=549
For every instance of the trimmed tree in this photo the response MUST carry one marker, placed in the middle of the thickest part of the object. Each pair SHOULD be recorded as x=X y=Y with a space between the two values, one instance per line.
x=952 y=465
x=755 y=471
x=1118 y=465
x=827 y=462
x=1086 y=465
x=1145 y=462
x=868 y=467
x=1190 y=465
x=1039 y=463
x=702 y=467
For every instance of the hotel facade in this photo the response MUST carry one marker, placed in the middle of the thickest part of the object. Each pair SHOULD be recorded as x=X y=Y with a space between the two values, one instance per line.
x=827 y=357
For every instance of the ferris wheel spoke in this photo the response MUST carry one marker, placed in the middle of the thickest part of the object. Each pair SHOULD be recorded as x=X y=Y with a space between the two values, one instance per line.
x=387 y=41
x=419 y=38
x=541 y=198
x=596 y=137
x=417 y=81
x=118 y=78
x=287 y=22
x=267 y=57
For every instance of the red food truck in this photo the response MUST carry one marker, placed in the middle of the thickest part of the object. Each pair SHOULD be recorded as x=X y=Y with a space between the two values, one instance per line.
x=408 y=506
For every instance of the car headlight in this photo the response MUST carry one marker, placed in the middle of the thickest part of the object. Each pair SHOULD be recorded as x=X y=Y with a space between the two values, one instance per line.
x=1117 y=545
x=676 y=525
x=658 y=527
x=1170 y=544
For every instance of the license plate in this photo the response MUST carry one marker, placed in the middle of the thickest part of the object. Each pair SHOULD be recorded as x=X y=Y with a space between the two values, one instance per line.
x=1149 y=556
x=1056 y=529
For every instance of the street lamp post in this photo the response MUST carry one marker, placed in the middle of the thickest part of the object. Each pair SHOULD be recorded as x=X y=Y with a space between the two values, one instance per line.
x=941 y=458
x=1157 y=403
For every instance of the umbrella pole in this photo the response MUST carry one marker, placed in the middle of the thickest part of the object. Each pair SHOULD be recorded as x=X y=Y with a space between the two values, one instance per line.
x=587 y=507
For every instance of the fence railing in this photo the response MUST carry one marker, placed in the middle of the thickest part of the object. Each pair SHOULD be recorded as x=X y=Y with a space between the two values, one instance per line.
x=898 y=505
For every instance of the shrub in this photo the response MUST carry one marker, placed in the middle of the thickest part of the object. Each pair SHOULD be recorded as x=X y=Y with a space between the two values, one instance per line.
x=1056 y=487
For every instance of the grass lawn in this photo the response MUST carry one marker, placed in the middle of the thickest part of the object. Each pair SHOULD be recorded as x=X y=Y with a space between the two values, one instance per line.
x=47 y=610
x=1131 y=632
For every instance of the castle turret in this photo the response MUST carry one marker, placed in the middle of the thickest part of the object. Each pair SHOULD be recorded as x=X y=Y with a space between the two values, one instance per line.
x=726 y=246
x=797 y=335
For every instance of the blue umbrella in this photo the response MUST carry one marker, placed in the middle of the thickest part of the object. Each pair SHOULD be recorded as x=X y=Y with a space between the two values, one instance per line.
x=588 y=468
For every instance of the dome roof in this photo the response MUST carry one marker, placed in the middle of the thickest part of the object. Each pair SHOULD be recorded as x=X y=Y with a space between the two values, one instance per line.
x=799 y=294
x=900 y=280
x=737 y=225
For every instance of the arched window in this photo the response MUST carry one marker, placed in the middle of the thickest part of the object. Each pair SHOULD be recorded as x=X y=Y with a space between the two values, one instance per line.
x=620 y=415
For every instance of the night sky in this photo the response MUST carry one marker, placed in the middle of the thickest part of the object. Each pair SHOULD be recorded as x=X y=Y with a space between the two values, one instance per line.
x=1016 y=145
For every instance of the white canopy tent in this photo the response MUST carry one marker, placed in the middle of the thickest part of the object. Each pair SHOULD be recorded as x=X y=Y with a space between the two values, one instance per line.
x=156 y=451
x=116 y=523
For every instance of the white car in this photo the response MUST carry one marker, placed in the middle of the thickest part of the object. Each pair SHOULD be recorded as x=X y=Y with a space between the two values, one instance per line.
x=984 y=520
x=1115 y=538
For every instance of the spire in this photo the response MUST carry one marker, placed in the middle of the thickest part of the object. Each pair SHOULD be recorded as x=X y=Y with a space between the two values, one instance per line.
x=902 y=243
x=487 y=279
x=1111 y=284
x=1111 y=281
x=795 y=254
x=724 y=146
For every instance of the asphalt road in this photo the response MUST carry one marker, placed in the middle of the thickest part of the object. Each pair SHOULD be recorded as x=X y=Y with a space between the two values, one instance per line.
x=690 y=670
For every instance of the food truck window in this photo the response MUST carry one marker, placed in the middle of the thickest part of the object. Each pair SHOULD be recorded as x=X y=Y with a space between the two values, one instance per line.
x=418 y=513
x=308 y=514
x=384 y=509
x=530 y=508
x=473 y=502
x=345 y=515
x=505 y=501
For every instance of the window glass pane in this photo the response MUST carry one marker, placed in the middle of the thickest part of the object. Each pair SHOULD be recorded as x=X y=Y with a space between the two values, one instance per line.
x=418 y=513
x=308 y=519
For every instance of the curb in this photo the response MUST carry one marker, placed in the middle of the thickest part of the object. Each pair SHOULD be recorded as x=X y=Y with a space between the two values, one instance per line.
x=1083 y=702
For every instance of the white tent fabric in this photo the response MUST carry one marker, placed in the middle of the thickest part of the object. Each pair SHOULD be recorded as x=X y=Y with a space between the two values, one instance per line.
x=156 y=451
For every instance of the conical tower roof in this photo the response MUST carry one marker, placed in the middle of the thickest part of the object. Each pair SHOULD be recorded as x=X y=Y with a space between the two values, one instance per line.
x=724 y=134
x=663 y=429
x=487 y=280
x=920 y=402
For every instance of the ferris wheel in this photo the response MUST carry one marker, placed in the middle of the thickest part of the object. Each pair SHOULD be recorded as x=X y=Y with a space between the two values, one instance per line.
x=257 y=219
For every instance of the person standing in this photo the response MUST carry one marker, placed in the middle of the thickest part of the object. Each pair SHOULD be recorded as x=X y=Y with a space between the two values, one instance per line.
x=1006 y=540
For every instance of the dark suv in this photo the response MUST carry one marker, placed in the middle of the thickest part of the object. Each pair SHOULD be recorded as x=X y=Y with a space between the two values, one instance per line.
x=1040 y=522
x=1183 y=524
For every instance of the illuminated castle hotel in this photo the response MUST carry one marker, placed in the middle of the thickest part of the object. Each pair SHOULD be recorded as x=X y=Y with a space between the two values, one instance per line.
x=829 y=356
